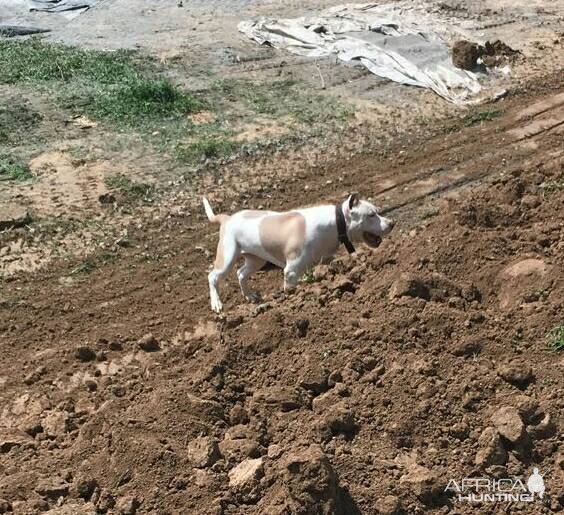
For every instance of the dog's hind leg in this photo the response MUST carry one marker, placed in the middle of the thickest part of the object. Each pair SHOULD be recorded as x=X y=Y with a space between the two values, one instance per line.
x=252 y=264
x=228 y=253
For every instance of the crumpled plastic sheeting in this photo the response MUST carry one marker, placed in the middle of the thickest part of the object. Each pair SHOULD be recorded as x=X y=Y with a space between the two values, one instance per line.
x=56 y=6
x=398 y=41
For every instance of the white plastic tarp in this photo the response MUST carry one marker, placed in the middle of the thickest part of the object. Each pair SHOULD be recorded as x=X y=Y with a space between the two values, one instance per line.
x=398 y=41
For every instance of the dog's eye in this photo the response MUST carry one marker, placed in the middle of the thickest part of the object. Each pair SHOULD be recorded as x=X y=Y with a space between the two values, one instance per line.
x=372 y=215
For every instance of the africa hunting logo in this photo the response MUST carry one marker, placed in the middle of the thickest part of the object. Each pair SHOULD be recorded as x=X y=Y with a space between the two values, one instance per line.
x=492 y=490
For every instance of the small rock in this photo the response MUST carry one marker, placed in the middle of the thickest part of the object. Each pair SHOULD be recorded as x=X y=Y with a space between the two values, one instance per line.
x=491 y=451
x=466 y=348
x=544 y=429
x=13 y=215
x=374 y=375
x=5 y=506
x=408 y=285
x=149 y=343
x=56 y=423
x=302 y=326
x=84 y=354
x=314 y=378
x=389 y=505
x=85 y=488
x=115 y=345
x=105 y=501
x=118 y=390
x=34 y=376
x=530 y=201
x=107 y=198
x=334 y=378
x=343 y=284
x=508 y=424
x=127 y=505
x=311 y=482
x=202 y=478
x=246 y=473
x=422 y=482
x=517 y=374
x=527 y=406
x=13 y=438
x=52 y=488
x=284 y=398
x=460 y=430
x=238 y=415
x=203 y=451
x=91 y=385
x=340 y=420
x=235 y=449
x=274 y=451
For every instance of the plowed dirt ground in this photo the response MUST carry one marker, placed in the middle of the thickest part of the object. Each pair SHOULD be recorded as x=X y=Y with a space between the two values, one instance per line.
x=384 y=377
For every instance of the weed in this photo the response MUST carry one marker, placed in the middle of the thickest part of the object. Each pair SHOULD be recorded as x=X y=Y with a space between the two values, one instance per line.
x=207 y=148
x=11 y=170
x=132 y=189
x=93 y=262
x=476 y=118
x=555 y=338
x=308 y=277
x=550 y=187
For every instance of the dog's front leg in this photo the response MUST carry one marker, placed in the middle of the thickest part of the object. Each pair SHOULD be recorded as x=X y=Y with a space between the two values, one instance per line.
x=292 y=273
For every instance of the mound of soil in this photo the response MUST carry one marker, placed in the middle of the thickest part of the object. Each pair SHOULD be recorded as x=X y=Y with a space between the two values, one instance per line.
x=465 y=54
x=385 y=376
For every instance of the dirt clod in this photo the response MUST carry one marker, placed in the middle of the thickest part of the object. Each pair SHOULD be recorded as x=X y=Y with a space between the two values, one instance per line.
x=149 y=343
x=203 y=451
x=465 y=54
x=246 y=473
x=517 y=374
x=52 y=488
x=491 y=450
x=127 y=505
x=84 y=354
x=423 y=482
x=509 y=425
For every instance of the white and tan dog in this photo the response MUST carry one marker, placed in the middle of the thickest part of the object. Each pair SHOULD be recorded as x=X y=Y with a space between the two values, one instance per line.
x=292 y=240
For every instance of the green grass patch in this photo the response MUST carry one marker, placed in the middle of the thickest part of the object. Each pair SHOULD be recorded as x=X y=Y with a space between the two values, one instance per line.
x=115 y=87
x=481 y=117
x=282 y=98
x=206 y=148
x=12 y=170
x=142 y=100
x=33 y=61
x=555 y=338
x=132 y=189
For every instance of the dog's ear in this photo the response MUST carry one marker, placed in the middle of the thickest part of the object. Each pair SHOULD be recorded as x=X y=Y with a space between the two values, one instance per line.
x=353 y=200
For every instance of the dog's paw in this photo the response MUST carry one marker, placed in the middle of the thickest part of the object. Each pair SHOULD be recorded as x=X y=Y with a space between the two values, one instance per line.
x=217 y=306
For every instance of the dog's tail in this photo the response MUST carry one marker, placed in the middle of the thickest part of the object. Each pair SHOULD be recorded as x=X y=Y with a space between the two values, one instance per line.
x=213 y=218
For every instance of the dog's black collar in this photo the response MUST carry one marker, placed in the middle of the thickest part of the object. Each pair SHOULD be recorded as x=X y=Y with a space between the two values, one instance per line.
x=342 y=229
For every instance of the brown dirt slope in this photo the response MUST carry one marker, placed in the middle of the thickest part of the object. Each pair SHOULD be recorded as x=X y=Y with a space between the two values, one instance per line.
x=385 y=376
